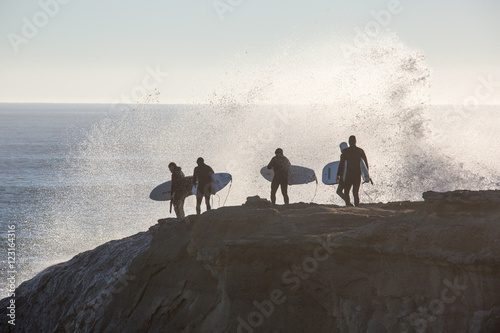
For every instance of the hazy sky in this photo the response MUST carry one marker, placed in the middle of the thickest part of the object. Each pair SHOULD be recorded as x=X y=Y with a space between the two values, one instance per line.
x=99 y=51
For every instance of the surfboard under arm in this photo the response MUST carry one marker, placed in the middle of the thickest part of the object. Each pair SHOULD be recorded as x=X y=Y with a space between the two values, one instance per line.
x=365 y=175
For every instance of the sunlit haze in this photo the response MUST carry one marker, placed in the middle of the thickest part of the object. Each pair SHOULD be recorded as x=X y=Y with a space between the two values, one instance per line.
x=97 y=52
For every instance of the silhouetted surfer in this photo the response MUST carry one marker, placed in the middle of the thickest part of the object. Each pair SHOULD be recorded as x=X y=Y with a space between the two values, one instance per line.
x=178 y=191
x=281 y=166
x=340 y=189
x=203 y=175
x=352 y=155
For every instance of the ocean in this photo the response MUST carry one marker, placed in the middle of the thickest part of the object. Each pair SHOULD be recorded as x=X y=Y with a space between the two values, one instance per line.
x=74 y=176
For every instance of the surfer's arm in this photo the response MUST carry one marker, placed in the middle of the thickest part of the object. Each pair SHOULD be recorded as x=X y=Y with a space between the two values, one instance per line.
x=177 y=181
x=271 y=164
x=195 y=176
x=340 y=170
x=174 y=189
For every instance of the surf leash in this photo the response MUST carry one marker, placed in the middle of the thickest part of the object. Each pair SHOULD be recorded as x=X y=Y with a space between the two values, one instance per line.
x=365 y=191
x=227 y=196
x=315 y=192
x=213 y=200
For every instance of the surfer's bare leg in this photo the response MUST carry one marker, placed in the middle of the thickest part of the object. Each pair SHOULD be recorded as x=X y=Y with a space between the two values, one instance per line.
x=199 y=198
x=355 y=191
x=207 y=200
x=347 y=189
x=274 y=188
x=179 y=207
x=284 y=191
x=340 y=190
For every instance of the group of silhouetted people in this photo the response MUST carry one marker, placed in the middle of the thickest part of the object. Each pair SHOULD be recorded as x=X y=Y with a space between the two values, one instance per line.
x=181 y=186
x=348 y=176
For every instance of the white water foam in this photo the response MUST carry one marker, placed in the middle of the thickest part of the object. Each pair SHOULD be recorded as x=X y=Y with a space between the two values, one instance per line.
x=305 y=100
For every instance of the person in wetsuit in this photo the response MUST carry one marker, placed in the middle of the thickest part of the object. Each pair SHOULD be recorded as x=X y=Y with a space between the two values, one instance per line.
x=281 y=166
x=352 y=155
x=178 y=190
x=340 y=188
x=203 y=175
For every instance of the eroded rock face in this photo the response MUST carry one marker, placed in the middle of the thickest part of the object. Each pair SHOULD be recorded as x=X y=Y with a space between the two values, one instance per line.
x=463 y=200
x=303 y=268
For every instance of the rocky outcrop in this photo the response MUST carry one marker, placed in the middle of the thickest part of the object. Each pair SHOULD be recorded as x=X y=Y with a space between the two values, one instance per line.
x=429 y=266
x=460 y=201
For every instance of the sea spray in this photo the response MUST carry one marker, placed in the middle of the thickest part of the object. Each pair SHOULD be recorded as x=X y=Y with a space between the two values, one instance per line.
x=306 y=99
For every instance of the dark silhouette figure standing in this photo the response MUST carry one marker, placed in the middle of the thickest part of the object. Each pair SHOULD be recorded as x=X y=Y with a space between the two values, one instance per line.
x=352 y=155
x=340 y=189
x=281 y=166
x=203 y=175
x=178 y=191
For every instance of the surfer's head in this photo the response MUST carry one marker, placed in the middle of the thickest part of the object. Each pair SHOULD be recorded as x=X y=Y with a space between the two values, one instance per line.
x=172 y=166
x=200 y=161
x=352 y=140
x=278 y=151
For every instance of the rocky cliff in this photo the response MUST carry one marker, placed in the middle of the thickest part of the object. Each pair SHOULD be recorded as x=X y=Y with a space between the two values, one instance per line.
x=431 y=266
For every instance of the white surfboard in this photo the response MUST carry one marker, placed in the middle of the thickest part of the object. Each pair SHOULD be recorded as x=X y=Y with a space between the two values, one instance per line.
x=219 y=181
x=298 y=175
x=162 y=191
x=330 y=170
x=330 y=173
x=364 y=172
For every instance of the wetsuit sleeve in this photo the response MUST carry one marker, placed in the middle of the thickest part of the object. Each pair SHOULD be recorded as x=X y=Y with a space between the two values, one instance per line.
x=363 y=156
x=173 y=188
x=271 y=164
x=175 y=182
x=195 y=175
x=340 y=170
x=211 y=171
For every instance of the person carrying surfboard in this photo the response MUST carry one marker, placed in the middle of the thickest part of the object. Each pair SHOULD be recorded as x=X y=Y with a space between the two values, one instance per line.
x=179 y=192
x=203 y=175
x=281 y=166
x=352 y=155
x=340 y=189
